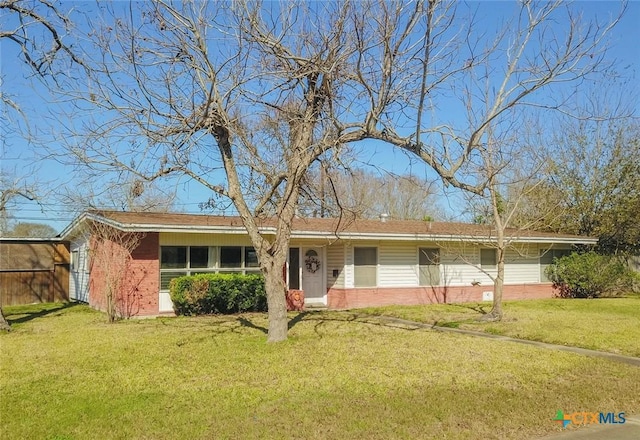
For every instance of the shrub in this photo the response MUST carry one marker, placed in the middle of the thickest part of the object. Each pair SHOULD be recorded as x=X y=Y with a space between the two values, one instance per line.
x=590 y=275
x=218 y=294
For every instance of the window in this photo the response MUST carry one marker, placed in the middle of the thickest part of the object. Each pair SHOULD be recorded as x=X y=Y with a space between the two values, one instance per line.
x=173 y=257
x=294 y=268
x=167 y=276
x=365 y=270
x=231 y=256
x=488 y=259
x=199 y=257
x=75 y=261
x=177 y=261
x=546 y=258
x=429 y=262
x=250 y=257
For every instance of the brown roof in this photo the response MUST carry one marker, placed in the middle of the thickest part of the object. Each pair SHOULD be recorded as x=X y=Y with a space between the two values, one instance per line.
x=150 y=221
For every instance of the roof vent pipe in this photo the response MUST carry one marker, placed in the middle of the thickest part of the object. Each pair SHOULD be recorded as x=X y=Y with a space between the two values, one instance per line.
x=384 y=217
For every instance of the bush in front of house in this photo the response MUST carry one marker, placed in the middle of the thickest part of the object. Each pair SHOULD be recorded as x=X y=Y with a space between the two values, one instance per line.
x=206 y=294
x=590 y=275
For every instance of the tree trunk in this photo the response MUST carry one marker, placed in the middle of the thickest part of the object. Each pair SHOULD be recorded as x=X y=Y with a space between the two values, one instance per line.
x=498 y=282
x=4 y=324
x=498 y=286
x=276 y=301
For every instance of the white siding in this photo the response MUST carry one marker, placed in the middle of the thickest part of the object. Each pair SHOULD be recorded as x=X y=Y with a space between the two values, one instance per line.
x=397 y=260
x=335 y=261
x=348 y=265
x=461 y=265
x=522 y=265
x=397 y=265
x=79 y=273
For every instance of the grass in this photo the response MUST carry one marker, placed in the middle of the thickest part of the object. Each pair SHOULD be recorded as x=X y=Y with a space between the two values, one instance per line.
x=606 y=324
x=67 y=374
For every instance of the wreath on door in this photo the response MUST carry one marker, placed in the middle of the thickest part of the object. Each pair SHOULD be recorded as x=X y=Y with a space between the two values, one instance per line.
x=312 y=263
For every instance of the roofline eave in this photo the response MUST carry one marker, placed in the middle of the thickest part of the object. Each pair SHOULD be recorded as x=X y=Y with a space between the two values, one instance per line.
x=318 y=235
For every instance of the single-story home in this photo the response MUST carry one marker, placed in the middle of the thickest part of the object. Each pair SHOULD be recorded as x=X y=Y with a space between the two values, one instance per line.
x=337 y=263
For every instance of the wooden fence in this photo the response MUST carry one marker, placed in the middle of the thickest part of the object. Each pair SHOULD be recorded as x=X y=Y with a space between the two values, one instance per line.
x=32 y=272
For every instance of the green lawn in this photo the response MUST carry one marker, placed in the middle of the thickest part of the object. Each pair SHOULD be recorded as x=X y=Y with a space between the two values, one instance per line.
x=607 y=324
x=67 y=374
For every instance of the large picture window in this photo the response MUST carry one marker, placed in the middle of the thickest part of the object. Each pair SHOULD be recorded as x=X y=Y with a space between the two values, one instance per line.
x=365 y=266
x=429 y=263
x=177 y=261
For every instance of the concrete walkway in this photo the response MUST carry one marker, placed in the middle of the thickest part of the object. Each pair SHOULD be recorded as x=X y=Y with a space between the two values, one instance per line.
x=630 y=430
x=583 y=351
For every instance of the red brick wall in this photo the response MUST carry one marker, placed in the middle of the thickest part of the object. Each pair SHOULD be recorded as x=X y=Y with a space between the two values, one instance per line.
x=146 y=263
x=138 y=295
x=385 y=296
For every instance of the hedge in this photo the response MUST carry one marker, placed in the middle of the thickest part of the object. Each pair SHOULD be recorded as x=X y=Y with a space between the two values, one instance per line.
x=206 y=294
x=591 y=275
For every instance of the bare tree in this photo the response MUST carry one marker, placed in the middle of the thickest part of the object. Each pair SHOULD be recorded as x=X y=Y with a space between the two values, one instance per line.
x=28 y=229
x=243 y=97
x=11 y=189
x=38 y=29
x=123 y=194
x=513 y=167
x=113 y=277
x=248 y=92
x=330 y=192
x=532 y=187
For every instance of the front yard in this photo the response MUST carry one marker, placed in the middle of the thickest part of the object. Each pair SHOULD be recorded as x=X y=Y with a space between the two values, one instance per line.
x=606 y=324
x=67 y=374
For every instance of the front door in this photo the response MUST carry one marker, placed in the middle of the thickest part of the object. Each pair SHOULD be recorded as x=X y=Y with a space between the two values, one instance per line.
x=313 y=276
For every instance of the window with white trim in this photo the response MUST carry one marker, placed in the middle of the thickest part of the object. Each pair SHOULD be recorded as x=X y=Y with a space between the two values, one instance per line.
x=365 y=266
x=488 y=259
x=75 y=260
x=177 y=261
x=429 y=264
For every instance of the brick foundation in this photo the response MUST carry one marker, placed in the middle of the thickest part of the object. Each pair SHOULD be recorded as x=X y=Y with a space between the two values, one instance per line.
x=386 y=296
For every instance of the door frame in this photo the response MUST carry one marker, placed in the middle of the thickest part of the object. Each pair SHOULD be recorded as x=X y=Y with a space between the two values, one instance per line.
x=322 y=254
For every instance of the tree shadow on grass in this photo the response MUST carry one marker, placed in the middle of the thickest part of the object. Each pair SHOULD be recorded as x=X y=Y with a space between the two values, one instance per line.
x=480 y=308
x=19 y=317
x=246 y=323
x=457 y=322
x=296 y=319
x=320 y=319
x=317 y=319
x=291 y=323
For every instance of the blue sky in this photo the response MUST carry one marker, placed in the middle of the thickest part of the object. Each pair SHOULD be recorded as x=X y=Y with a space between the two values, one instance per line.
x=18 y=155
